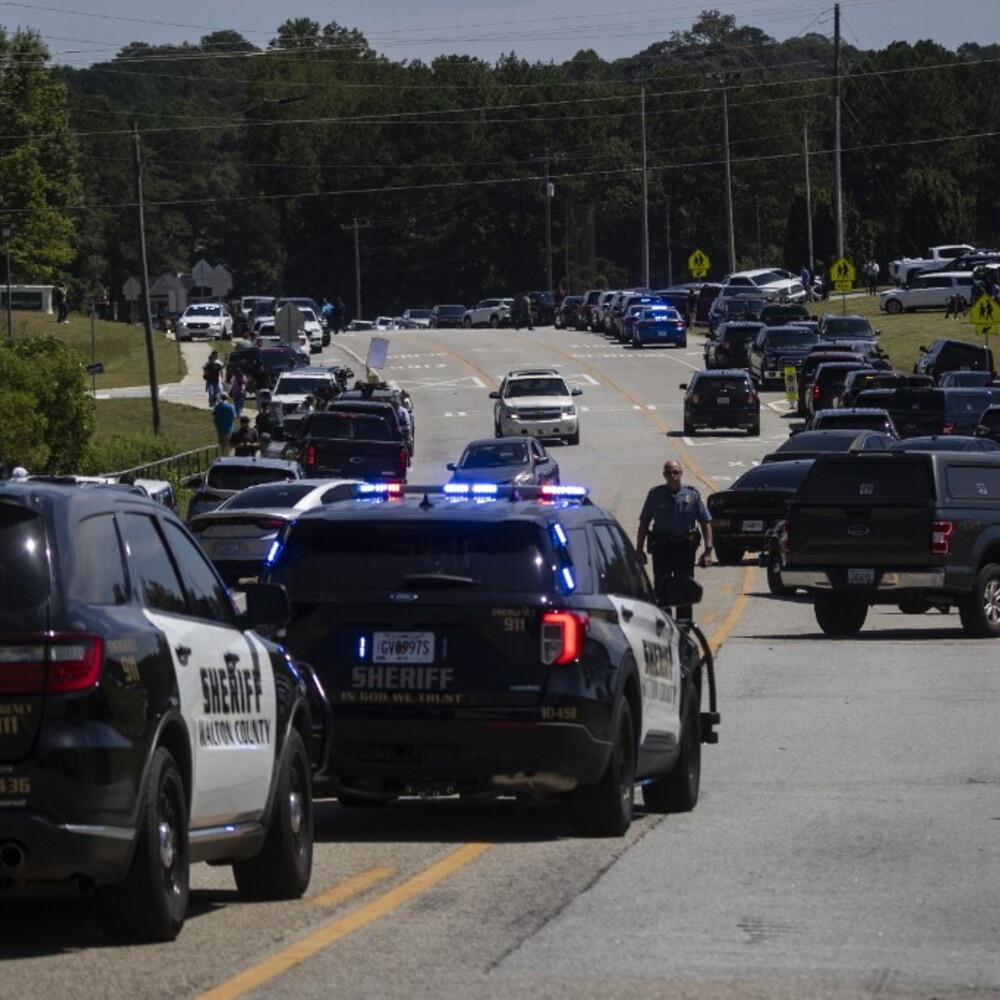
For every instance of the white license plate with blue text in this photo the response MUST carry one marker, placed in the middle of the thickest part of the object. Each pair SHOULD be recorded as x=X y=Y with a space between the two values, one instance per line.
x=403 y=647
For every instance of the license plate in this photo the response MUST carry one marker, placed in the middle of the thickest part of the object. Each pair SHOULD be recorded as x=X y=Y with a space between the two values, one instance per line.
x=753 y=525
x=226 y=548
x=403 y=647
x=722 y=399
x=861 y=577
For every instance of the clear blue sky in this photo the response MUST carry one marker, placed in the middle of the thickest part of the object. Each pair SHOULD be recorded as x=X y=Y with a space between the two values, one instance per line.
x=79 y=32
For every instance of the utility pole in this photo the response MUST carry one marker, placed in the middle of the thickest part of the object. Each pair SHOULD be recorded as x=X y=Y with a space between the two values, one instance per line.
x=645 y=188
x=548 y=158
x=357 y=225
x=729 y=177
x=811 y=261
x=837 y=197
x=147 y=313
x=670 y=250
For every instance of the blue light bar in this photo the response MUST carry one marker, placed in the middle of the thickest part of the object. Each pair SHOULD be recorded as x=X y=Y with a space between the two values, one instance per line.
x=380 y=489
x=471 y=489
x=273 y=552
x=560 y=535
x=569 y=580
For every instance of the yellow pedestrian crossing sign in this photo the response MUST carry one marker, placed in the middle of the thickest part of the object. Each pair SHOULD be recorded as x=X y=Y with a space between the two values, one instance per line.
x=842 y=274
x=984 y=314
x=698 y=264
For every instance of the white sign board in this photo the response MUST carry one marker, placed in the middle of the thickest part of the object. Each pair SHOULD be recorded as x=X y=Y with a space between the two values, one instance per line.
x=202 y=273
x=221 y=281
x=378 y=352
x=131 y=290
x=289 y=323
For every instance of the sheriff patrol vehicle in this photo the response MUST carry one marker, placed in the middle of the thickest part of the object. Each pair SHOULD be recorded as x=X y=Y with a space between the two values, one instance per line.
x=484 y=639
x=144 y=725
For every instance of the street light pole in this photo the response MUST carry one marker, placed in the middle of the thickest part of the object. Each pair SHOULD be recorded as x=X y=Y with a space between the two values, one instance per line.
x=5 y=231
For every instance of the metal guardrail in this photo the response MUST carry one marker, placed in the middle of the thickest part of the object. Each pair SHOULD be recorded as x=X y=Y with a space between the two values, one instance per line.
x=187 y=463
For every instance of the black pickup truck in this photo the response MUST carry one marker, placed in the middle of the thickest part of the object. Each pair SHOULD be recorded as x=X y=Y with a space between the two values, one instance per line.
x=351 y=444
x=919 y=530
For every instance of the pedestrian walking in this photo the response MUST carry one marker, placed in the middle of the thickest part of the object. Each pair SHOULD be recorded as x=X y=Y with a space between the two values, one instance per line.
x=224 y=418
x=238 y=386
x=872 y=271
x=59 y=297
x=212 y=373
x=245 y=441
x=673 y=521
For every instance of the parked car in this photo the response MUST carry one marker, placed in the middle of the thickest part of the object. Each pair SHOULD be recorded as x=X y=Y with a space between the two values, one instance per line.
x=239 y=534
x=569 y=315
x=417 y=318
x=989 y=424
x=447 y=316
x=946 y=355
x=809 y=444
x=965 y=380
x=828 y=384
x=228 y=475
x=654 y=325
x=946 y=442
x=536 y=401
x=263 y=365
x=772 y=283
x=862 y=418
x=521 y=461
x=543 y=307
x=775 y=349
x=488 y=312
x=846 y=326
x=926 y=291
x=205 y=320
x=590 y=300
x=729 y=345
x=870 y=379
x=744 y=513
x=727 y=308
x=721 y=398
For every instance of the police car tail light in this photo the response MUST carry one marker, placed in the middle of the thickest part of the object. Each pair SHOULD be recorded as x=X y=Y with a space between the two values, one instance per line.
x=57 y=664
x=563 y=635
x=941 y=532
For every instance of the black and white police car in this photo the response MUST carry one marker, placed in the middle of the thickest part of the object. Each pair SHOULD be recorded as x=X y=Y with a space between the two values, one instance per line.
x=482 y=639
x=144 y=725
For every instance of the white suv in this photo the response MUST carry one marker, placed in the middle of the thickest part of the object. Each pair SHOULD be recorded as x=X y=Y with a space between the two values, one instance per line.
x=536 y=401
x=927 y=291
x=769 y=282
x=488 y=312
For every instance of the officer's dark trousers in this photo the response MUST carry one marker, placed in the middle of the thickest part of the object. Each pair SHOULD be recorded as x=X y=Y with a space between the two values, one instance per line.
x=673 y=558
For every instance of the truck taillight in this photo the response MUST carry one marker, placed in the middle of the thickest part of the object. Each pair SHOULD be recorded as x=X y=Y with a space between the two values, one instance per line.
x=784 y=537
x=941 y=532
x=563 y=634
x=57 y=664
x=815 y=390
x=948 y=428
x=309 y=456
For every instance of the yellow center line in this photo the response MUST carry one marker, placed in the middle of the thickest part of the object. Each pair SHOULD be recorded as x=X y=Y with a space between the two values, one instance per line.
x=353 y=886
x=332 y=932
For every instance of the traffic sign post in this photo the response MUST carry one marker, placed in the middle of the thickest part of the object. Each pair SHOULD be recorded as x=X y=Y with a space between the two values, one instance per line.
x=984 y=315
x=698 y=264
x=843 y=275
x=289 y=323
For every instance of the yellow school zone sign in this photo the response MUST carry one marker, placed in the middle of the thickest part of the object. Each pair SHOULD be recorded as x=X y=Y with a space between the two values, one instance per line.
x=842 y=274
x=984 y=315
x=698 y=264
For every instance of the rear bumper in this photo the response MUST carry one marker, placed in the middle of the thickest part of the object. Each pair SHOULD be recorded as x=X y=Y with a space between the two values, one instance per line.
x=723 y=418
x=887 y=580
x=456 y=750
x=52 y=852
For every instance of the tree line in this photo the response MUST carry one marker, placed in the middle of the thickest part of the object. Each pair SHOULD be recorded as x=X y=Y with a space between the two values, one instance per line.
x=456 y=179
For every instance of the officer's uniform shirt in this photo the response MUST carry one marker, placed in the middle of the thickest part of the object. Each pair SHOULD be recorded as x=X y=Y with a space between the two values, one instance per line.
x=674 y=514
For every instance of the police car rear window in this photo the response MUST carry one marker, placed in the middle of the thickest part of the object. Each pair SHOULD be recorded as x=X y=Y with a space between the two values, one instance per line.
x=24 y=571
x=905 y=479
x=399 y=556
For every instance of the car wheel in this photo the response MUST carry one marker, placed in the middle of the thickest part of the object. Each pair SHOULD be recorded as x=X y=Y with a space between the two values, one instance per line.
x=980 y=611
x=574 y=438
x=840 y=616
x=682 y=343
x=467 y=323
x=774 y=584
x=893 y=306
x=728 y=555
x=677 y=791
x=150 y=903
x=284 y=865
x=753 y=431
x=688 y=428
x=605 y=809
x=494 y=321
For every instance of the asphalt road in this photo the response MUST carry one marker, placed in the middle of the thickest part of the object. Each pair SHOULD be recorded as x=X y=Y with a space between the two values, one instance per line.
x=846 y=842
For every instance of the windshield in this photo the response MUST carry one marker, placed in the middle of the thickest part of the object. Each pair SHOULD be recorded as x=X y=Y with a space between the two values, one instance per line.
x=293 y=385
x=774 y=476
x=239 y=477
x=271 y=495
x=790 y=338
x=205 y=310
x=378 y=555
x=844 y=327
x=537 y=387
x=491 y=456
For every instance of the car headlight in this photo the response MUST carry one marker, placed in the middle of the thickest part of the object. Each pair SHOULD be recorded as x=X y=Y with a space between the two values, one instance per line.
x=524 y=478
x=569 y=411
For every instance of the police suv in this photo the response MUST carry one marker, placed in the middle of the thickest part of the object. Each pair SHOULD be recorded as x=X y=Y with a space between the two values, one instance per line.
x=494 y=640
x=143 y=724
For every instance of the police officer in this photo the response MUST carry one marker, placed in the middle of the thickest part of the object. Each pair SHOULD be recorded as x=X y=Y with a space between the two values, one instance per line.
x=670 y=521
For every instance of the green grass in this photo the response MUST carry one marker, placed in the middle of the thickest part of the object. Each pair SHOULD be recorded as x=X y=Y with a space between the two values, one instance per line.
x=185 y=427
x=120 y=347
x=901 y=335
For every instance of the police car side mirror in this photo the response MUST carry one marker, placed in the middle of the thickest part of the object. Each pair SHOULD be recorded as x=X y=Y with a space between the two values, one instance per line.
x=683 y=385
x=680 y=591
x=576 y=391
x=494 y=395
x=450 y=466
x=267 y=604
